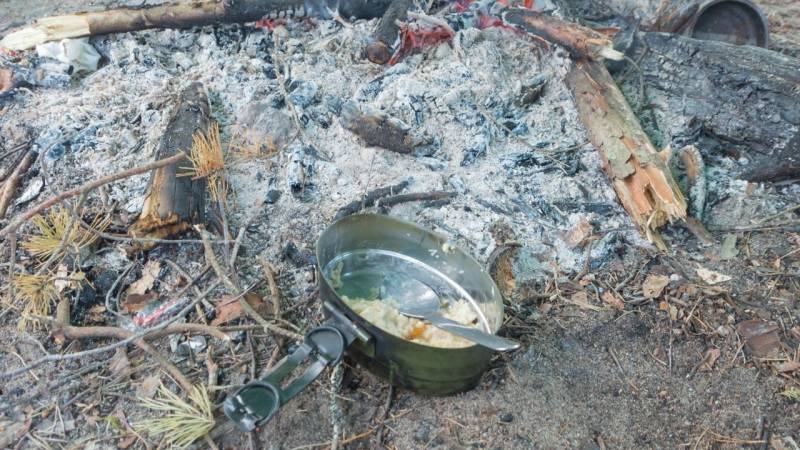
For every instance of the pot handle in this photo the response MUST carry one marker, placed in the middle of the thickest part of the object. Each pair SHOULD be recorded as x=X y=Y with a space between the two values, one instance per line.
x=256 y=402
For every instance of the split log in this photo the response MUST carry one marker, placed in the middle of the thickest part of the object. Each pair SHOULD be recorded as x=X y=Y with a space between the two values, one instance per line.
x=639 y=175
x=174 y=203
x=182 y=15
x=728 y=100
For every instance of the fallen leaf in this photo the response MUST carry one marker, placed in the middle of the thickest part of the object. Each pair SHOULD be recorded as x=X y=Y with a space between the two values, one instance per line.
x=578 y=233
x=149 y=386
x=654 y=285
x=728 y=249
x=711 y=356
x=788 y=366
x=611 y=298
x=134 y=303
x=670 y=309
x=711 y=277
x=119 y=365
x=760 y=337
x=149 y=276
x=230 y=309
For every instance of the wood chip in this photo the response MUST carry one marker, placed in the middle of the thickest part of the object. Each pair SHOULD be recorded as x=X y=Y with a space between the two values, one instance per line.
x=711 y=356
x=119 y=365
x=654 y=285
x=670 y=309
x=578 y=234
x=230 y=309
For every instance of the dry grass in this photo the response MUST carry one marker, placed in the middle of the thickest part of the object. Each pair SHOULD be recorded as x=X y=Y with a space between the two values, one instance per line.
x=792 y=393
x=38 y=292
x=52 y=231
x=180 y=422
x=208 y=161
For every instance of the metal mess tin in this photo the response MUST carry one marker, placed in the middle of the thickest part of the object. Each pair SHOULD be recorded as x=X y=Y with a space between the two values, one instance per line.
x=361 y=256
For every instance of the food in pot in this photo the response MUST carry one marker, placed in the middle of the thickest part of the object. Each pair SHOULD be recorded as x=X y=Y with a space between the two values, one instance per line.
x=385 y=315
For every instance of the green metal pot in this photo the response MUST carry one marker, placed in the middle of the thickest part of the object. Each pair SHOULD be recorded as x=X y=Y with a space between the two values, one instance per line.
x=425 y=369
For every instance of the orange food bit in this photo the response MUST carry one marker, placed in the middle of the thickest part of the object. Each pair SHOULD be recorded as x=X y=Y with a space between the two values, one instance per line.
x=417 y=331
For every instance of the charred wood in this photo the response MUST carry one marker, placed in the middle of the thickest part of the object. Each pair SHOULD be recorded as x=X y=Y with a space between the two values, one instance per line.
x=174 y=203
x=737 y=101
x=183 y=15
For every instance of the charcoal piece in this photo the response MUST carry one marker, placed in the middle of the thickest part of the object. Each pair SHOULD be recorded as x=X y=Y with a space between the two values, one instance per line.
x=431 y=163
x=273 y=195
x=172 y=203
x=298 y=257
x=457 y=183
x=418 y=106
x=381 y=131
x=531 y=90
x=300 y=169
x=370 y=199
x=304 y=93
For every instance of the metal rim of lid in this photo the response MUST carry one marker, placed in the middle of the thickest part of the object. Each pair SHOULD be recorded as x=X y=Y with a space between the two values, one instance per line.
x=758 y=21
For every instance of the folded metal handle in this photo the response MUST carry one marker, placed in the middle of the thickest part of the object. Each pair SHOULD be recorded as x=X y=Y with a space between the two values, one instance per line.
x=256 y=402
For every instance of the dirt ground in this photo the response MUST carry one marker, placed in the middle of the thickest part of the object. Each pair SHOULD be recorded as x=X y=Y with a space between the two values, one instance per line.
x=587 y=377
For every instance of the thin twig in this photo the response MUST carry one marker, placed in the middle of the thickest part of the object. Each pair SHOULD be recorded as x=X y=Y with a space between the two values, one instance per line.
x=87 y=187
x=12 y=183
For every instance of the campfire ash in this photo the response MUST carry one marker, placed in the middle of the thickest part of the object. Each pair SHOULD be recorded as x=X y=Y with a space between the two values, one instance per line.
x=499 y=128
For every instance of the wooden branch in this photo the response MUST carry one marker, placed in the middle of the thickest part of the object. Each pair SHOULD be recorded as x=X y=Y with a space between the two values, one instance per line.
x=13 y=181
x=87 y=187
x=70 y=332
x=174 y=203
x=643 y=183
x=581 y=42
x=181 y=15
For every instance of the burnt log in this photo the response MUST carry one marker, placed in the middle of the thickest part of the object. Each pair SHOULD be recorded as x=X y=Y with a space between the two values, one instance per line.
x=183 y=15
x=174 y=203
x=728 y=100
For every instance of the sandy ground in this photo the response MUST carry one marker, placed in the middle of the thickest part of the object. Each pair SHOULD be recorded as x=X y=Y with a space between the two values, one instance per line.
x=584 y=379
